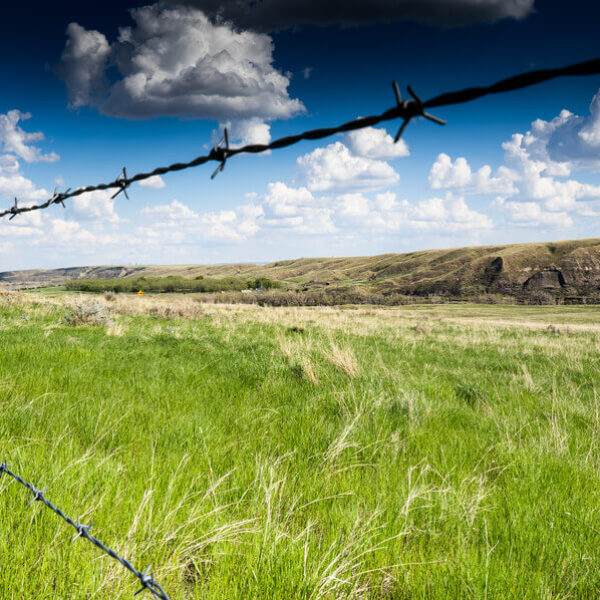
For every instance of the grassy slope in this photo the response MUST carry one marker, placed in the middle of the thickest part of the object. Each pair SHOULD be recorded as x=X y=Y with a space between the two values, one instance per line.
x=426 y=264
x=263 y=453
x=423 y=268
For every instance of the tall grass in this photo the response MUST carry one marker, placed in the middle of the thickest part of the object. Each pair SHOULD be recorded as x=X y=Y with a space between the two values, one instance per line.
x=251 y=452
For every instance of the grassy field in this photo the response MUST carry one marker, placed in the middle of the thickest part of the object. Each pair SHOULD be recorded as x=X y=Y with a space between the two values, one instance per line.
x=424 y=452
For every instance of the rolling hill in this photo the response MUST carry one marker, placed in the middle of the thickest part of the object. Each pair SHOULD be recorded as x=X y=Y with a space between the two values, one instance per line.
x=567 y=269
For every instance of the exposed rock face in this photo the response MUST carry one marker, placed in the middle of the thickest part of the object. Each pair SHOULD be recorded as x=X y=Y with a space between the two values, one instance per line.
x=581 y=268
x=492 y=271
x=563 y=269
x=546 y=279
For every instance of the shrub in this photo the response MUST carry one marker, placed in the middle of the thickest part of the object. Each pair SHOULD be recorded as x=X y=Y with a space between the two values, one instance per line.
x=171 y=284
x=87 y=313
x=541 y=297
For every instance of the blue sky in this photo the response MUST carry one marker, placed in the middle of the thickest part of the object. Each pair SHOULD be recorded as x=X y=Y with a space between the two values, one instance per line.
x=87 y=92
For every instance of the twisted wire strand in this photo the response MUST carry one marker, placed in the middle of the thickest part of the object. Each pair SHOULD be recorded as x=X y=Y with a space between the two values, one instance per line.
x=146 y=578
x=404 y=109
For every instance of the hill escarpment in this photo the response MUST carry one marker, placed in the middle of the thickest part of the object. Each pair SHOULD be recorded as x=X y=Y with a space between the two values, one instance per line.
x=566 y=271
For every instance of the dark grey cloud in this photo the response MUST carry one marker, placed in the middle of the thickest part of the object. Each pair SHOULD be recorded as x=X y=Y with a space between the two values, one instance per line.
x=274 y=15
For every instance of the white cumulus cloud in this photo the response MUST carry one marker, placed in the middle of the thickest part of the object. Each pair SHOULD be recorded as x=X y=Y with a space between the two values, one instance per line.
x=445 y=174
x=532 y=214
x=64 y=231
x=245 y=131
x=448 y=214
x=17 y=142
x=542 y=180
x=16 y=145
x=295 y=209
x=18 y=186
x=175 y=211
x=95 y=206
x=336 y=168
x=353 y=205
x=536 y=185
x=155 y=182
x=178 y=224
x=570 y=139
x=372 y=142
x=176 y=62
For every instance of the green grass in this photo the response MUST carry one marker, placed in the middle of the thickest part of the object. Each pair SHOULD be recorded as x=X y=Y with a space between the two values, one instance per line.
x=55 y=290
x=422 y=452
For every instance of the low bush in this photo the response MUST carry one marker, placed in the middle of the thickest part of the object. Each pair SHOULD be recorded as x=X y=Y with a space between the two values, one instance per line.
x=541 y=297
x=170 y=284
x=87 y=313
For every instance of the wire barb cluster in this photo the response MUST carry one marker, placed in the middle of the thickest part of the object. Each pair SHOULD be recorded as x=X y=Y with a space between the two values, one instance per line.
x=123 y=184
x=403 y=109
x=413 y=108
x=220 y=152
x=14 y=210
x=146 y=577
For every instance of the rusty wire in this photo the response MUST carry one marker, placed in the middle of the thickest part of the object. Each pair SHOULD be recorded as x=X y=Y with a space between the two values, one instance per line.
x=403 y=109
x=146 y=577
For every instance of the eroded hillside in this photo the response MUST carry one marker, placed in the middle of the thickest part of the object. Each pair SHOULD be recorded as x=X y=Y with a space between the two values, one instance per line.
x=569 y=270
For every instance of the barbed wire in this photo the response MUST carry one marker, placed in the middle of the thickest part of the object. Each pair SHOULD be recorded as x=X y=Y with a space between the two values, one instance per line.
x=404 y=109
x=146 y=577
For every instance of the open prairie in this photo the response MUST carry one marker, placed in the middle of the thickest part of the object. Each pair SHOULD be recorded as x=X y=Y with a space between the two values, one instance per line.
x=425 y=452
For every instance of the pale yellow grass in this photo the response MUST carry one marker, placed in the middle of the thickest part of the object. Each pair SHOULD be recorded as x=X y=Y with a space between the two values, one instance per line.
x=115 y=330
x=298 y=352
x=343 y=358
x=529 y=324
x=402 y=325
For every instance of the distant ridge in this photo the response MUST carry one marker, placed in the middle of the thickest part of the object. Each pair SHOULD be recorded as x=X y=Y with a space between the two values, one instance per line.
x=567 y=269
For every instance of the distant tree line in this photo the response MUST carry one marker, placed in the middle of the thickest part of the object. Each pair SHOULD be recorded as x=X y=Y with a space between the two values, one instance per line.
x=171 y=284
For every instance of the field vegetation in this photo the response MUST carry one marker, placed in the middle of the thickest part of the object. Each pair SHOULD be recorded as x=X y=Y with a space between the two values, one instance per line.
x=431 y=452
x=171 y=283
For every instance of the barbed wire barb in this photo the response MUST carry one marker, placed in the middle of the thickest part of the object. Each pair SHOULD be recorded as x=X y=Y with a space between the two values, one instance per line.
x=413 y=108
x=400 y=104
x=57 y=198
x=14 y=210
x=403 y=109
x=220 y=153
x=146 y=578
x=81 y=529
x=122 y=183
x=421 y=107
x=38 y=495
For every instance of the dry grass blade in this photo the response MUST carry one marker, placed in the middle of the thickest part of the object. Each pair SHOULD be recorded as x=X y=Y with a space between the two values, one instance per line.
x=344 y=359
